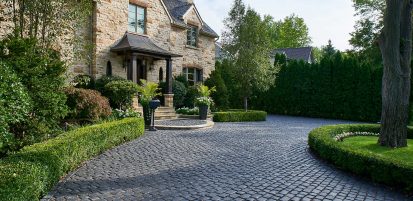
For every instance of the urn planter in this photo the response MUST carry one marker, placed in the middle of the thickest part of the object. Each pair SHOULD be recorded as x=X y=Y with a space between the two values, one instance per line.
x=203 y=112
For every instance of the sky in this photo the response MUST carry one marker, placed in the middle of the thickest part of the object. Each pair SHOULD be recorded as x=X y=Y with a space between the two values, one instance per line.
x=326 y=19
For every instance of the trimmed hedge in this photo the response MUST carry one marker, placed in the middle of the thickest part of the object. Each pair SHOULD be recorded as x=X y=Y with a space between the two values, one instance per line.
x=240 y=116
x=32 y=172
x=380 y=169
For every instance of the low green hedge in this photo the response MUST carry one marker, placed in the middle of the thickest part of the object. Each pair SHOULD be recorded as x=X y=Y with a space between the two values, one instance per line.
x=240 y=116
x=30 y=173
x=380 y=169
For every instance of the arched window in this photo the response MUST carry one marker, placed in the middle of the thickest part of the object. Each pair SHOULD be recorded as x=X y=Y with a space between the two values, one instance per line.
x=109 y=68
x=161 y=75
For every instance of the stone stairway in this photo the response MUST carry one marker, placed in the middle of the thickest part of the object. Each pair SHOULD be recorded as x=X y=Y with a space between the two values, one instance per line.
x=165 y=113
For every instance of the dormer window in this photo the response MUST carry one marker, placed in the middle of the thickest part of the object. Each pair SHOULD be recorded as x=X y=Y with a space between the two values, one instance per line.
x=192 y=36
x=136 y=19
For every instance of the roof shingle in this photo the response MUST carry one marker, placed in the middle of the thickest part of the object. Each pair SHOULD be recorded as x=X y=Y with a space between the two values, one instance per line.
x=177 y=9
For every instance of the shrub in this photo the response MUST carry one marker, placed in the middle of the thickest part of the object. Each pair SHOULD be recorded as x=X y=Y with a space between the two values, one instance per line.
x=191 y=95
x=87 y=104
x=339 y=87
x=240 y=116
x=14 y=106
x=122 y=114
x=121 y=93
x=41 y=71
x=383 y=170
x=32 y=172
x=104 y=80
x=188 y=111
x=220 y=96
x=83 y=81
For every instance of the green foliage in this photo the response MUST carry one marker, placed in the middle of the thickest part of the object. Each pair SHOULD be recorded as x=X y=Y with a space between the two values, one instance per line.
x=188 y=111
x=30 y=173
x=204 y=93
x=338 y=87
x=191 y=95
x=182 y=79
x=179 y=90
x=83 y=81
x=121 y=93
x=290 y=32
x=220 y=96
x=382 y=168
x=41 y=71
x=104 y=80
x=87 y=104
x=147 y=92
x=118 y=114
x=240 y=116
x=248 y=41
x=15 y=105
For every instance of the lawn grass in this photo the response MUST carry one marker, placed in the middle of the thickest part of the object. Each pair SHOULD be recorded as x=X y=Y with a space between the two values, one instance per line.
x=369 y=144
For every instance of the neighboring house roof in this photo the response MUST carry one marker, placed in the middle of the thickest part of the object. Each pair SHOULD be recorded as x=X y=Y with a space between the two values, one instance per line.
x=141 y=44
x=178 y=8
x=301 y=53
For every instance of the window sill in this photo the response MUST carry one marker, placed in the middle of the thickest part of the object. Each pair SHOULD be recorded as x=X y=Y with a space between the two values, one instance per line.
x=192 y=47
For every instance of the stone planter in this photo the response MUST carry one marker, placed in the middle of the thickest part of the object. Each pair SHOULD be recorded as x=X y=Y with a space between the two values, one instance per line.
x=147 y=113
x=203 y=112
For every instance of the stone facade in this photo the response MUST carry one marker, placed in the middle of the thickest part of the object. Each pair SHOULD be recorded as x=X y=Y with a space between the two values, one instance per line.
x=110 y=25
x=6 y=18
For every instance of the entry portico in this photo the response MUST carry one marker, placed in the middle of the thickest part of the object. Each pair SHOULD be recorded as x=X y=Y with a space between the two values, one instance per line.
x=138 y=52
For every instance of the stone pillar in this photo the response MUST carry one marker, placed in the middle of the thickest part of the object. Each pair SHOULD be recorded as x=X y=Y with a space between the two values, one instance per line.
x=134 y=69
x=169 y=100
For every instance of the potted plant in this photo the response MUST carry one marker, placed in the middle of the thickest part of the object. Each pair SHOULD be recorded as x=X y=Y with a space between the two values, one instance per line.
x=147 y=91
x=204 y=101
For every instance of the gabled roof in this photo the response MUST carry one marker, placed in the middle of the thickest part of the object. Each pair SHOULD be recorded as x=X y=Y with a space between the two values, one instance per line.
x=301 y=53
x=140 y=44
x=178 y=8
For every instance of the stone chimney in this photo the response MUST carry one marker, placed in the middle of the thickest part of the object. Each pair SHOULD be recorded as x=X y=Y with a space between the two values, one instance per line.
x=190 y=1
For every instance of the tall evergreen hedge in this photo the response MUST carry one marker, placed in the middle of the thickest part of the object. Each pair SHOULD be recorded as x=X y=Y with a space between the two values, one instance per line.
x=339 y=87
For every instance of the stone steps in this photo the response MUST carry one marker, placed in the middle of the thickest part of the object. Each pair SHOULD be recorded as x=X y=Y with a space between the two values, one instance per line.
x=165 y=113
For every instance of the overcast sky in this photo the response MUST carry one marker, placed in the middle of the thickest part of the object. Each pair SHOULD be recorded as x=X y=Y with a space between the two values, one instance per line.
x=326 y=19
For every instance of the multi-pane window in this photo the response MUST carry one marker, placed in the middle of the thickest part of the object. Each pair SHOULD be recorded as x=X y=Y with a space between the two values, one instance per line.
x=192 y=36
x=136 y=19
x=193 y=75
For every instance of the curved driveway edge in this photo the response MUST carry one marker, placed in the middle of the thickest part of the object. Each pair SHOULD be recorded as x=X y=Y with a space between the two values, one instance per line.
x=232 y=161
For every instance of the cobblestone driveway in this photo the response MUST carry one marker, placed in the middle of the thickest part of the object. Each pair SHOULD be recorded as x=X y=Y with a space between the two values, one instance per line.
x=232 y=161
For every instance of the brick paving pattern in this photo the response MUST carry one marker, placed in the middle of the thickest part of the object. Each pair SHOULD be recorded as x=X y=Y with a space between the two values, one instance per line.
x=233 y=161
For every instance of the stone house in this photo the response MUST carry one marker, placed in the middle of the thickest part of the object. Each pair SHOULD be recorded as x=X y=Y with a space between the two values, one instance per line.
x=146 y=39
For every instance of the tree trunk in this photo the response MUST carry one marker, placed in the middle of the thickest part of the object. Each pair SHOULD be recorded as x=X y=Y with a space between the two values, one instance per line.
x=246 y=104
x=396 y=48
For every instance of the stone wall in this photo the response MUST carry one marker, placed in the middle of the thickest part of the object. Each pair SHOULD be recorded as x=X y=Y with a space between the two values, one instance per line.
x=6 y=18
x=111 y=25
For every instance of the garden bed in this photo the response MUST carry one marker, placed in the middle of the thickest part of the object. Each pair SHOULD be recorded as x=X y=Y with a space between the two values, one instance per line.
x=30 y=173
x=363 y=156
x=240 y=116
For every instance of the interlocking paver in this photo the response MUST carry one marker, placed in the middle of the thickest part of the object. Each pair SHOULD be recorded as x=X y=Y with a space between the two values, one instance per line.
x=232 y=161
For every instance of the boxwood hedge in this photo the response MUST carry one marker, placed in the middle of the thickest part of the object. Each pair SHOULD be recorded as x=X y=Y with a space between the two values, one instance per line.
x=33 y=171
x=380 y=169
x=240 y=116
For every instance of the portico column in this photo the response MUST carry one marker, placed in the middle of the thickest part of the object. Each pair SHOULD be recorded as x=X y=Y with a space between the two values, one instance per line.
x=169 y=96
x=134 y=69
